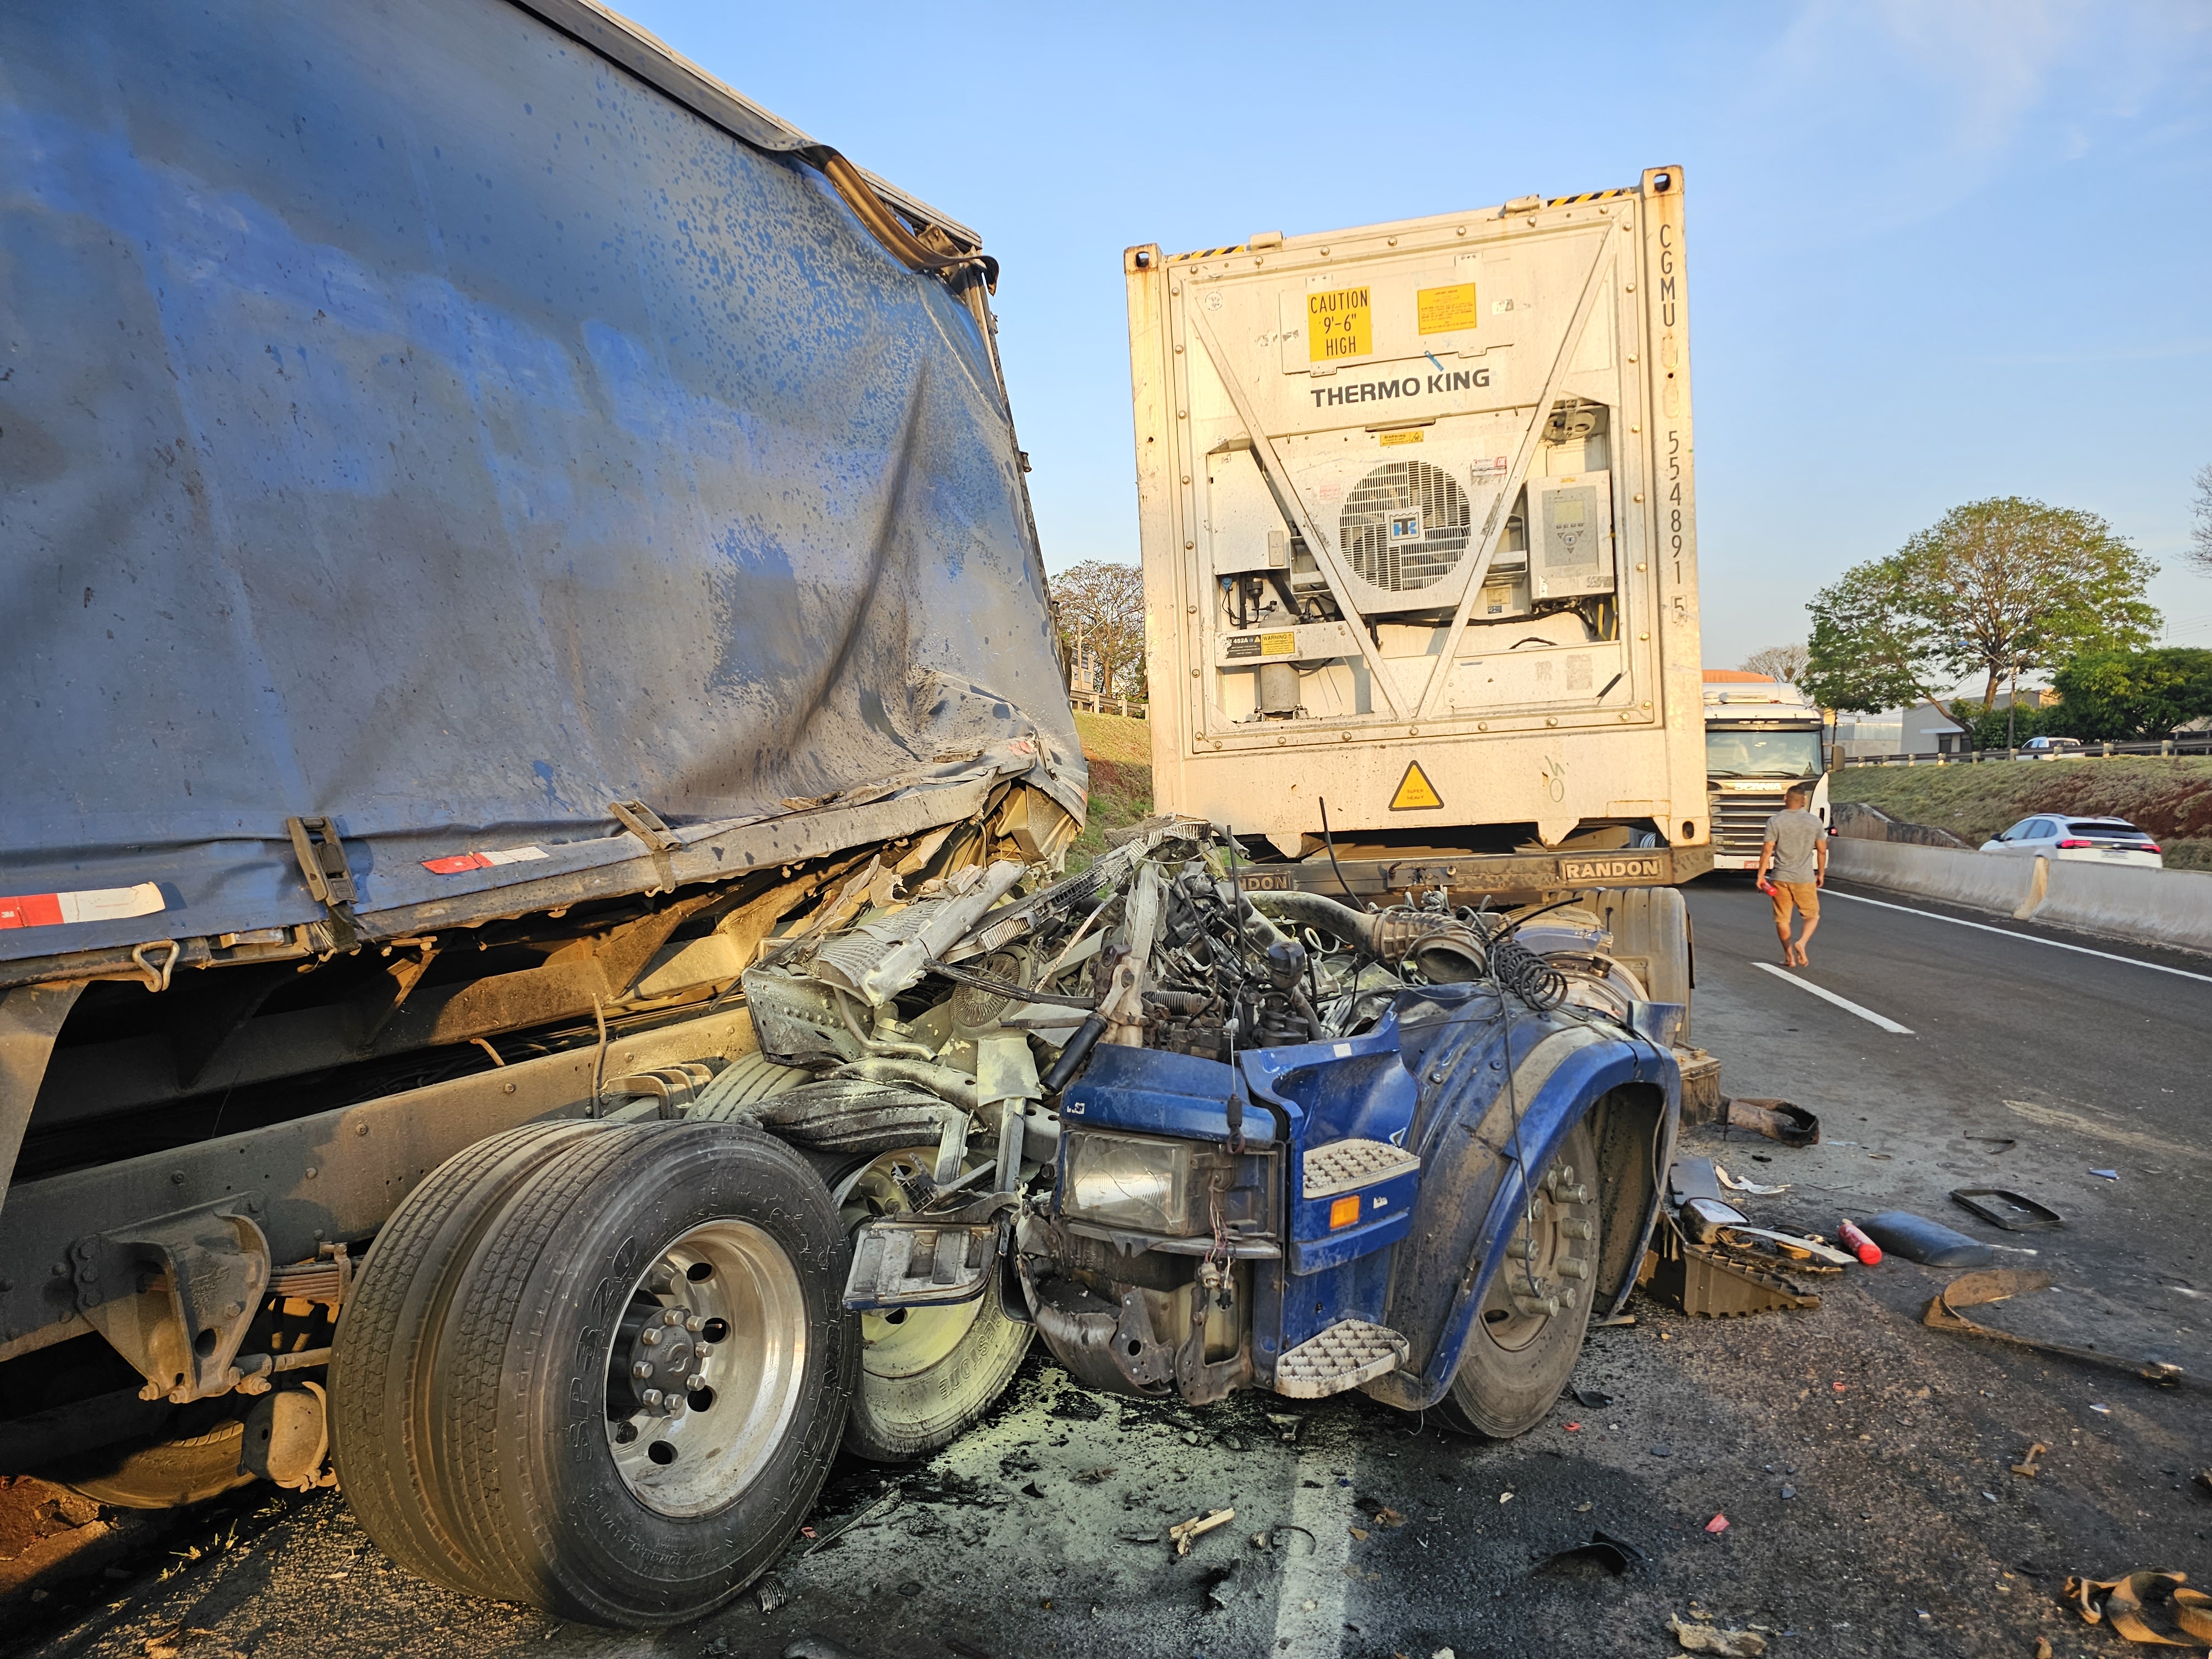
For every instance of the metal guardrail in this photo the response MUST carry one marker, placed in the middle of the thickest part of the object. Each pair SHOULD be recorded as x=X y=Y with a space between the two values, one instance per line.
x=1129 y=708
x=2165 y=748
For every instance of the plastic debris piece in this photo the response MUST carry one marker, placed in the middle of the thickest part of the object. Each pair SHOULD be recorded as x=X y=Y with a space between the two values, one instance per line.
x=1663 y=1450
x=1777 y=1120
x=1591 y=1399
x=1718 y=1523
x=2000 y=1206
x=1756 y=1188
x=2101 y=1411
x=1704 y=1218
x=1615 y=1555
x=2027 y=1466
x=1183 y=1531
x=1711 y=1284
x=1916 y=1238
x=2109 y=1174
x=1693 y=1177
x=2129 y=1605
x=1977 y=1290
x=1711 y=1638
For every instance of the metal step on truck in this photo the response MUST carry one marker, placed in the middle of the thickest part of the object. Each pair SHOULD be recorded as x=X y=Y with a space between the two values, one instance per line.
x=537 y=986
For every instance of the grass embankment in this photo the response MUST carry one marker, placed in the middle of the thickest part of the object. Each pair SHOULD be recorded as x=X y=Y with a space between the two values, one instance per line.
x=1121 y=756
x=2172 y=798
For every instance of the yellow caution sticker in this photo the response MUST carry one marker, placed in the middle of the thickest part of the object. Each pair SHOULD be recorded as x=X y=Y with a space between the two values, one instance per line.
x=1278 y=645
x=1401 y=438
x=1415 y=793
x=1446 y=310
x=1340 y=324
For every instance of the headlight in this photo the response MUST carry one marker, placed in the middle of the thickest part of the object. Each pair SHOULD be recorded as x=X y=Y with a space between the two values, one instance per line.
x=1132 y=1182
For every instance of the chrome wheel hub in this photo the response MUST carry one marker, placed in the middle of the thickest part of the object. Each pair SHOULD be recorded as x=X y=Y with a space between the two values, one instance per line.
x=705 y=1368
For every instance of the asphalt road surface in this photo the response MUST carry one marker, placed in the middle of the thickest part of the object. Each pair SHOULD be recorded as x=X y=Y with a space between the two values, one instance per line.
x=1864 y=1463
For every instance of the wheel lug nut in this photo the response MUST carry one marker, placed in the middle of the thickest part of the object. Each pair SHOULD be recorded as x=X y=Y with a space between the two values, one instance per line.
x=650 y=1336
x=640 y=1368
x=694 y=1323
x=672 y=1317
x=651 y=1396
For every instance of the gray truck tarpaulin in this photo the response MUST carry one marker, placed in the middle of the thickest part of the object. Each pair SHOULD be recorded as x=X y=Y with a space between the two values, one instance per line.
x=410 y=417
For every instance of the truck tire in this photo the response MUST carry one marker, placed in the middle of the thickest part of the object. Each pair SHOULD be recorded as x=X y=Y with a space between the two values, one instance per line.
x=638 y=1267
x=1653 y=924
x=1516 y=1361
x=168 y=1474
x=925 y=1373
x=386 y=1338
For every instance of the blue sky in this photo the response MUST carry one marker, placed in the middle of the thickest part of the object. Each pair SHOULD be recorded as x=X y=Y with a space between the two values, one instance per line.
x=1937 y=251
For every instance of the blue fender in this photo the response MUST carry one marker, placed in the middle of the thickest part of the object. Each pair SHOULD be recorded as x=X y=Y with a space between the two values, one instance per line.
x=1476 y=1166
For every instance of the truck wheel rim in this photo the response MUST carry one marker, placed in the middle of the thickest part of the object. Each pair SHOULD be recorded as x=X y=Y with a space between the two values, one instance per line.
x=735 y=1355
x=903 y=1341
x=1515 y=1313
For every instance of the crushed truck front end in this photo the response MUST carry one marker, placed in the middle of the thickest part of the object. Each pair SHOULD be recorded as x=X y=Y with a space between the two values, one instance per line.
x=1417 y=503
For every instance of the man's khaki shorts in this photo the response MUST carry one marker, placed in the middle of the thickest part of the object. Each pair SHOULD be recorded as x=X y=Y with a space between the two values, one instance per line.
x=1804 y=895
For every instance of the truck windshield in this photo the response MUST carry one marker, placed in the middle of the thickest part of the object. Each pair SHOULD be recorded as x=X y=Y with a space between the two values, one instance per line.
x=1762 y=754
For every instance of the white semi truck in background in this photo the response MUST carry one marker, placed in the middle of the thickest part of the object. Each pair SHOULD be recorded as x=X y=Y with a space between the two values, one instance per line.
x=1762 y=737
x=1420 y=557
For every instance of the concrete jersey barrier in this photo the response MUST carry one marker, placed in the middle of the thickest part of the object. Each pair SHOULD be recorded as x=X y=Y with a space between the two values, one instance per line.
x=2152 y=906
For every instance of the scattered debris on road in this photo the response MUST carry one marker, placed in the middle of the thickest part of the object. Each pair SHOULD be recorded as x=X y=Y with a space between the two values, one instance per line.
x=1711 y=1638
x=1929 y=1242
x=1777 y=1120
x=2001 y=1207
x=2128 y=1604
x=1183 y=1532
x=1977 y=1289
x=1616 y=1555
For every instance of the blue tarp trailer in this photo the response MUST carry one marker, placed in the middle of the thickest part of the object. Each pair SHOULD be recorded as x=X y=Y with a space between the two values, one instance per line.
x=443 y=420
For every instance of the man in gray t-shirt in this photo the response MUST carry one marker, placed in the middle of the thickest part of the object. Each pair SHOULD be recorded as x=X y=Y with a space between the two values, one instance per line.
x=1797 y=850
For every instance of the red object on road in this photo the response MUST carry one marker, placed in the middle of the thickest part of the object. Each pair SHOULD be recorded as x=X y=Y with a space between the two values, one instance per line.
x=1718 y=1523
x=1864 y=1248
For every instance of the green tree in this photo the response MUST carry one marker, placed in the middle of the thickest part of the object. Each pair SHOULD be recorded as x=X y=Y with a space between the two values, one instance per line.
x=2133 y=695
x=1099 y=607
x=1996 y=588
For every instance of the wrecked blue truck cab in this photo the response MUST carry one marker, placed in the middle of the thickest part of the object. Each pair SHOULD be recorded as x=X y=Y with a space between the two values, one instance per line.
x=1431 y=1210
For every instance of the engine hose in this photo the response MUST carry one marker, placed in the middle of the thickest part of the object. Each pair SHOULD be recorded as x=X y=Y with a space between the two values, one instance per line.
x=1447 y=950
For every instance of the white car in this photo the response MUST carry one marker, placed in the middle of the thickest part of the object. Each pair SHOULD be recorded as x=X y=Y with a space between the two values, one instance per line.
x=2094 y=841
x=2052 y=749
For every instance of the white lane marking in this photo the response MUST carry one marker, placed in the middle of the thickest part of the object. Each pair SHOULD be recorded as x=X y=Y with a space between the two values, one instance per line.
x=1844 y=1003
x=2031 y=938
x=1310 y=1610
